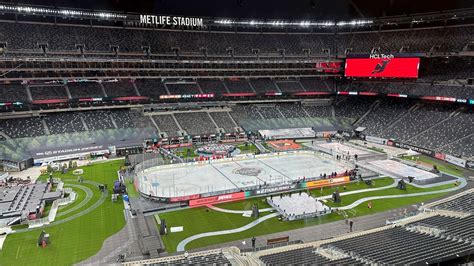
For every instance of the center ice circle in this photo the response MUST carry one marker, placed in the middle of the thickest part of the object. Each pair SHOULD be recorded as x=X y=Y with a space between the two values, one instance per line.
x=249 y=171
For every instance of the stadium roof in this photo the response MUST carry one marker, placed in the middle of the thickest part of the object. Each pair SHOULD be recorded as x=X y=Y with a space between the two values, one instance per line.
x=263 y=9
x=303 y=22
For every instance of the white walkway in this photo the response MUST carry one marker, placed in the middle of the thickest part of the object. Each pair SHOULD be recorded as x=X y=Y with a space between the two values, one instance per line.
x=359 y=201
x=182 y=244
x=236 y=211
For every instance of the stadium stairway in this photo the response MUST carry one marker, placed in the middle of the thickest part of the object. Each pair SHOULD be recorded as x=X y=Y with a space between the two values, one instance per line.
x=400 y=118
x=153 y=122
x=28 y=93
x=301 y=86
x=372 y=107
x=232 y=119
x=440 y=148
x=276 y=85
x=306 y=111
x=213 y=122
x=102 y=89
x=5 y=136
x=137 y=92
x=84 y=124
x=225 y=86
x=251 y=86
x=113 y=120
x=166 y=88
x=453 y=114
x=46 y=128
x=177 y=123
x=199 y=88
x=438 y=202
x=279 y=111
x=68 y=93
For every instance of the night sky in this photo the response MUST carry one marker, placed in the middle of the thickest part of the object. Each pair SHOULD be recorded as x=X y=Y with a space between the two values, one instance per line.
x=264 y=9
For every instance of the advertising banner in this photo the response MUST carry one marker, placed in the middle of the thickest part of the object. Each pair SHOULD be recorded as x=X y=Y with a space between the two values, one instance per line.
x=217 y=199
x=439 y=98
x=318 y=183
x=454 y=160
x=440 y=156
x=187 y=96
x=342 y=179
x=329 y=67
x=271 y=189
x=185 y=198
x=376 y=140
x=415 y=148
x=66 y=153
x=386 y=67
x=327 y=182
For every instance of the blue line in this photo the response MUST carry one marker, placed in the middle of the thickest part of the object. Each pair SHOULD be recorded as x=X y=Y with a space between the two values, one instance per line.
x=224 y=175
x=273 y=168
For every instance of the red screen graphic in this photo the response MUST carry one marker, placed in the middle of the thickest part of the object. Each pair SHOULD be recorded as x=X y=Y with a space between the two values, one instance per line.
x=329 y=67
x=217 y=199
x=382 y=67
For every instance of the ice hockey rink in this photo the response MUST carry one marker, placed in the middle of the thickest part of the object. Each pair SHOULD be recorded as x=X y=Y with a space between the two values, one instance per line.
x=231 y=174
x=338 y=148
x=393 y=168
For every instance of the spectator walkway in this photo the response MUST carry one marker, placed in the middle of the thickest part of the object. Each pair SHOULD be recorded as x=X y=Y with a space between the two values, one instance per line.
x=236 y=211
x=182 y=244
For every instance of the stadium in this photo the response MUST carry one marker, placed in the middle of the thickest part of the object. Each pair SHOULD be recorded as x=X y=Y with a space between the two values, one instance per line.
x=236 y=132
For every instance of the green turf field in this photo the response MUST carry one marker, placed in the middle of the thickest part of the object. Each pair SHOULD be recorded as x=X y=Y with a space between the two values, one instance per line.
x=208 y=220
x=131 y=191
x=186 y=153
x=247 y=148
x=203 y=220
x=75 y=240
x=442 y=166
